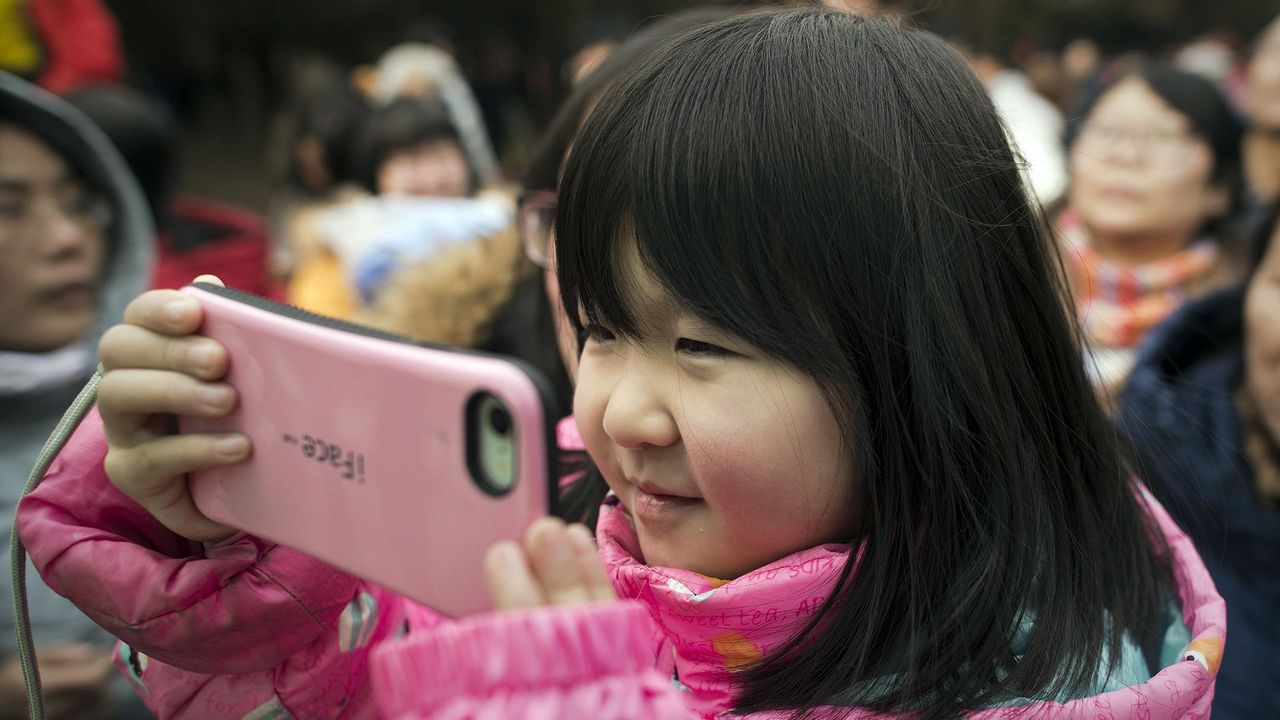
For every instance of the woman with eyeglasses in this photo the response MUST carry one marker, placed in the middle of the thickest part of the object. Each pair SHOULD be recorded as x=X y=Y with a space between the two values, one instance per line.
x=1154 y=173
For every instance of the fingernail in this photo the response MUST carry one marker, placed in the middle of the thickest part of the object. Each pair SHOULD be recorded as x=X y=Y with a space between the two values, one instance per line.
x=177 y=310
x=202 y=356
x=214 y=397
x=581 y=538
x=507 y=555
x=556 y=545
x=233 y=446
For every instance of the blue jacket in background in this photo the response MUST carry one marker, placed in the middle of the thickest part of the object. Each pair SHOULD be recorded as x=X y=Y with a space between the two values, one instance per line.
x=1179 y=410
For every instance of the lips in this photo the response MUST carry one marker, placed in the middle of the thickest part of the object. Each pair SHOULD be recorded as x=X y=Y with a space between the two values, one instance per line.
x=1120 y=194
x=658 y=491
x=653 y=505
x=71 y=294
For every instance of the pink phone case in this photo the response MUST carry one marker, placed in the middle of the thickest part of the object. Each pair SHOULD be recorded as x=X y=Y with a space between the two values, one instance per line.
x=360 y=446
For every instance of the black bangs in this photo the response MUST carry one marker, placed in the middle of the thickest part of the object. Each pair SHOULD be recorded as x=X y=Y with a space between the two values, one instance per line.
x=685 y=158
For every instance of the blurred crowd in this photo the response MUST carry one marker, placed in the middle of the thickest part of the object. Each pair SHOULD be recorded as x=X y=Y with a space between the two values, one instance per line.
x=1159 y=174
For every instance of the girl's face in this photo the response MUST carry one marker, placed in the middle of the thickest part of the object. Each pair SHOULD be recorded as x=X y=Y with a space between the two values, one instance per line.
x=727 y=459
x=1262 y=346
x=1137 y=170
x=436 y=168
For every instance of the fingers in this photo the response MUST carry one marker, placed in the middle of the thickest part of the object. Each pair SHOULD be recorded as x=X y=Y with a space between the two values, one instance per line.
x=591 y=572
x=512 y=585
x=167 y=312
x=559 y=565
x=144 y=472
x=127 y=400
x=211 y=279
x=152 y=474
x=133 y=346
x=555 y=560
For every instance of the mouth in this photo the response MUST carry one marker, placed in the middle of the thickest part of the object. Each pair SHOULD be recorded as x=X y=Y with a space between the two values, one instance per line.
x=1120 y=194
x=70 y=295
x=655 y=505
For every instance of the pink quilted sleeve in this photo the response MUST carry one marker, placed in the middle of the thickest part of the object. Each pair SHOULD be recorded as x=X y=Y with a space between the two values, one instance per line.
x=244 y=605
x=593 y=661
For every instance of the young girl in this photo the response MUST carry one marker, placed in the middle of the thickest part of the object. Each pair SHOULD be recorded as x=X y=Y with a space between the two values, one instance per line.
x=854 y=460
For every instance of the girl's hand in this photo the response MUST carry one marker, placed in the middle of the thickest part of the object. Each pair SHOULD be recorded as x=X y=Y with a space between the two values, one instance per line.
x=558 y=565
x=155 y=370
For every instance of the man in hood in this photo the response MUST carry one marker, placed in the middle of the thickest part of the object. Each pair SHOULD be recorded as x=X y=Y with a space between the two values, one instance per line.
x=75 y=247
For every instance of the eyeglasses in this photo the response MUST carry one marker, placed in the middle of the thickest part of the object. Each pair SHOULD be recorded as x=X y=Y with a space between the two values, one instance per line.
x=537 y=217
x=22 y=212
x=1165 y=148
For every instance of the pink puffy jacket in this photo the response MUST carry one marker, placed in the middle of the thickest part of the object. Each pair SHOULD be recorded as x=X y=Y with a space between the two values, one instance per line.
x=247 y=629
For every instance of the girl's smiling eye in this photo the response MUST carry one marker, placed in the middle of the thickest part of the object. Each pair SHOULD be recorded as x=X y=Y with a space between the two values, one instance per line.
x=698 y=348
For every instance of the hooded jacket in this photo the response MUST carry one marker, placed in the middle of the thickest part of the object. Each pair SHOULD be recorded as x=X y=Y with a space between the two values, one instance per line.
x=245 y=628
x=1180 y=411
x=27 y=417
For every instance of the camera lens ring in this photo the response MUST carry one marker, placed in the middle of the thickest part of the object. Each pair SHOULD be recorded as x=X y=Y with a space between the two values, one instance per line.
x=499 y=420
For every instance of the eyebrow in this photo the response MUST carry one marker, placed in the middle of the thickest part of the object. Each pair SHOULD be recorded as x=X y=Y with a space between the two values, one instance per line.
x=26 y=185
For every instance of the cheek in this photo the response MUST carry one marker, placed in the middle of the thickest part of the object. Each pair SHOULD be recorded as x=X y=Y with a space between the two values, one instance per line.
x=1186 y=192
x=590 y=398
x=1262 y=349
x=97 y=252
x=459 y=179
x=771 y=457
x=394 y=176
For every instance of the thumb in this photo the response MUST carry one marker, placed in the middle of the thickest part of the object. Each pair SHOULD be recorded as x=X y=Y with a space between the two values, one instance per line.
x=211 y=279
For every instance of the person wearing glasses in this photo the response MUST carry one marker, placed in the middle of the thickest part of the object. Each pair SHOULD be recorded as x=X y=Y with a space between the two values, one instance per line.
x=75 y=238
x=1154 y=175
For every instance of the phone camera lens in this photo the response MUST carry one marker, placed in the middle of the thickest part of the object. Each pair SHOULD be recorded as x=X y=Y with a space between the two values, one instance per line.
x=500 y=420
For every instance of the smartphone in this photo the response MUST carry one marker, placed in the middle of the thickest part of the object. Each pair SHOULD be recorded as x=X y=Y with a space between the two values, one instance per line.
x=397 y=461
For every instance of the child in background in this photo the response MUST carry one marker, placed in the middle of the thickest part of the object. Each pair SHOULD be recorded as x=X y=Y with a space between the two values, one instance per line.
x=422 y=243
x=855 y=461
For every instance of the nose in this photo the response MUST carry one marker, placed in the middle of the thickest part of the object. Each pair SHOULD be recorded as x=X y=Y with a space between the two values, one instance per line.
x=638 y=413
x=1126 y=150
x=64 y=235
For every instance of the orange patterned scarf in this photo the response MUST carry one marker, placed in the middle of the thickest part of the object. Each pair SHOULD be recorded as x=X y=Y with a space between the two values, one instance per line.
x=1117 y=306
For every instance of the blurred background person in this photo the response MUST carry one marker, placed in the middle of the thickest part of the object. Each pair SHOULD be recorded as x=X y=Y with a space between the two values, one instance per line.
x=194 y=235
x=1033 y=123
x=75 y=247
x=1203 y=409
x=403 y=155
x=310 y=156
x=61 y=45
x=420 y=71
x=1154 y=176
x=1262 y=141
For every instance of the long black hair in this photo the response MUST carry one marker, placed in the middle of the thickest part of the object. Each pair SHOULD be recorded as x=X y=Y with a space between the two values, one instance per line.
x=838 y=192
